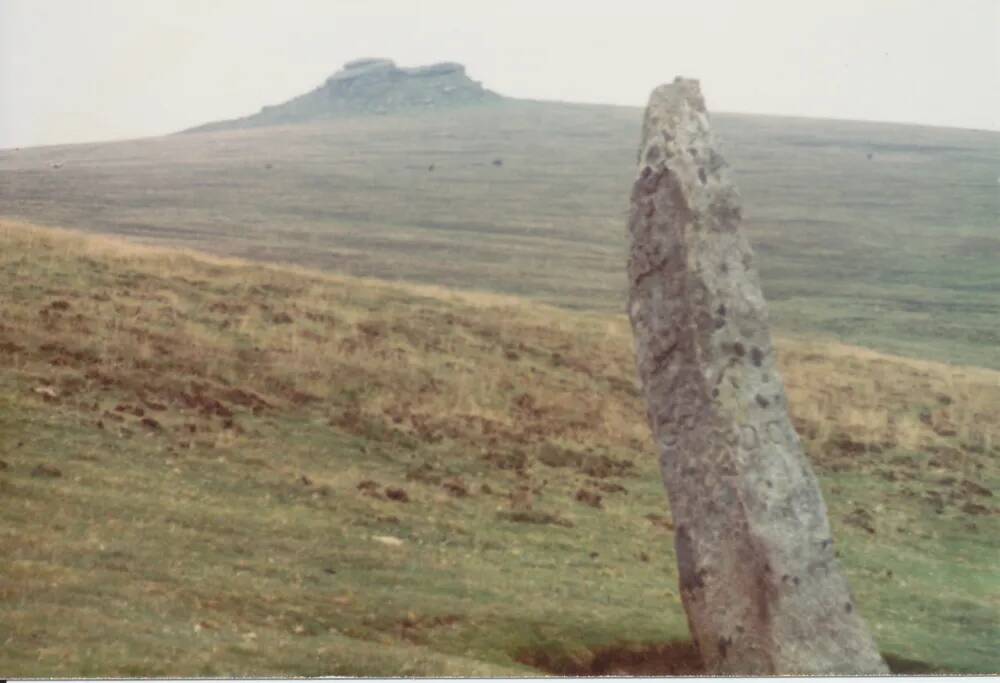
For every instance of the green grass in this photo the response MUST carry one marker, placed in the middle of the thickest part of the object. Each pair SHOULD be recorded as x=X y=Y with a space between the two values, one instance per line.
x=141 y=538
x=236 y=540
x=140 y=561
x=897 y=252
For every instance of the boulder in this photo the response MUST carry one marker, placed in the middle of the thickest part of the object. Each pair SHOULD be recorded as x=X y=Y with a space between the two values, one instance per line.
x=439 y=69
x=364 y=68
x=367 y=62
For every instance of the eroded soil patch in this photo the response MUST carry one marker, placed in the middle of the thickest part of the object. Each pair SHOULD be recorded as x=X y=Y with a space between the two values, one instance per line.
x=677 y=658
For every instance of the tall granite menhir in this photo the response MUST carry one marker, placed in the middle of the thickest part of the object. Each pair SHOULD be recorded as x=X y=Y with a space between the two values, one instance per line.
x=762 y=588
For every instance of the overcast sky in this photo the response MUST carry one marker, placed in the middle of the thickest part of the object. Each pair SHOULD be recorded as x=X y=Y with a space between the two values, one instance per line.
x=82 y=70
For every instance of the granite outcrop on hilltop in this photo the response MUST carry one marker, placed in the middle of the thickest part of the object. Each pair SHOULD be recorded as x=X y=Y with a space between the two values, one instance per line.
x=371 y=86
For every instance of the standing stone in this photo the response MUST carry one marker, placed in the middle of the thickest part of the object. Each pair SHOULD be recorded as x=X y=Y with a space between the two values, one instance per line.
x=763 y=591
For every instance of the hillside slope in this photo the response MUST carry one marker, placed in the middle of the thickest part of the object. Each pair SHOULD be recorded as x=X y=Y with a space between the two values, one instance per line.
x=874 y=234
x=212 y=467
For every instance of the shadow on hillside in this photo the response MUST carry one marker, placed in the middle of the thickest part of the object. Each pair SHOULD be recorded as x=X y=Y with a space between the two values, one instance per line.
x=901 y=665
x=676 y=658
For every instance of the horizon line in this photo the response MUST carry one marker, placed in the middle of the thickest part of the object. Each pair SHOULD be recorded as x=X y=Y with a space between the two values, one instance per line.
x=811 y=117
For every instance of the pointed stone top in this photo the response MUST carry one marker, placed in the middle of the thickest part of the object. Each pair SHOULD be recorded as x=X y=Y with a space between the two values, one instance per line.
x=681 y=90
x=675 y=118
x=677 y=135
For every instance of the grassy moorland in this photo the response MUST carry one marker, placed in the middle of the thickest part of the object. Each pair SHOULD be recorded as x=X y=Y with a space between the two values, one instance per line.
x=878 y=235
x=213 y=467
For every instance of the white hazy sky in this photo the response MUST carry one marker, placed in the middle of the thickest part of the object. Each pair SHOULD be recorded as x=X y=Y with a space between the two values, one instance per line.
x=82 y=70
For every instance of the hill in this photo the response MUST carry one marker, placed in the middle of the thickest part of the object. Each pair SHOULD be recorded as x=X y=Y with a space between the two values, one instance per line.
x=873 y=234
x=370 y=86
x=213 y=467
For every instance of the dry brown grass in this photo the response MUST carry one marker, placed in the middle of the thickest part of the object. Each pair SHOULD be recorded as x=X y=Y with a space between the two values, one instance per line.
x=868 y=251
x=179 y=328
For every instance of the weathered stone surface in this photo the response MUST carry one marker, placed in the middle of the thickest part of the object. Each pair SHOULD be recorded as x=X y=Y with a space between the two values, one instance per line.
x=355 y=64
x=363 y=68
x=436 y=69
x=371 y=86
x=762 y=588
